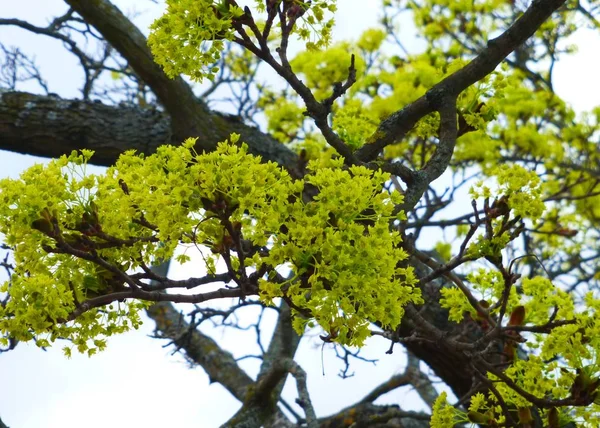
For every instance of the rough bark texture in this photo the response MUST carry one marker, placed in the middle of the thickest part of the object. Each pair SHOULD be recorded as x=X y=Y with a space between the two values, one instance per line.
x=50 y=126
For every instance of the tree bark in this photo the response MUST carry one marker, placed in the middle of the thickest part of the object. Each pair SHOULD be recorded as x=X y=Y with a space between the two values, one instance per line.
x=49 y=126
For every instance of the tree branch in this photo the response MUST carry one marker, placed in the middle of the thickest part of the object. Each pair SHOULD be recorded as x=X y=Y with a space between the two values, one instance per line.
x=440 y=160
x=284 y=343
x=395 y=127
x=413 y=376
x=189 y=116
x=372 y=415
x=49 y=126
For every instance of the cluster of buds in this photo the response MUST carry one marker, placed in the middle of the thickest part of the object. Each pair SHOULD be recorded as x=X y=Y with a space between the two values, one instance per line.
x=585 y=386
x=47 y=224
x=88 y=225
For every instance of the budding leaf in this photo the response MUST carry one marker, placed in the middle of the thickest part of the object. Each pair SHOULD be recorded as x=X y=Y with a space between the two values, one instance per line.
x=517 y=316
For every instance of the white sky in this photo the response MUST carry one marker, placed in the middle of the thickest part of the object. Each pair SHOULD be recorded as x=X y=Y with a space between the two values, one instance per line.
x=136 y=382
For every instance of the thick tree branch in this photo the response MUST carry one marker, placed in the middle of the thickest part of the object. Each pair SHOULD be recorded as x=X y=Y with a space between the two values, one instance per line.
x=395 y=127
x=189 y=116
x=372 y=415
x=49 y=126
x=261 y=401
x=440 y=160
x=284 y=343
x=420 y=381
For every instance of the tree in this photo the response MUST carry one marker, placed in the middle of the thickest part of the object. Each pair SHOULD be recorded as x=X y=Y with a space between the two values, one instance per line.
x=325 y=217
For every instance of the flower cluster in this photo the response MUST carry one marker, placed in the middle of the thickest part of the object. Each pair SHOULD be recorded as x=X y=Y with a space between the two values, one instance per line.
x=45 y=285
x=521 y=187
x=353 y=123
x=188 y=38
x=343 y=256
x=75 y=236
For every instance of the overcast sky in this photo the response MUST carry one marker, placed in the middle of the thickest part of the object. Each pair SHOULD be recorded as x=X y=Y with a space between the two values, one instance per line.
x=136 y=382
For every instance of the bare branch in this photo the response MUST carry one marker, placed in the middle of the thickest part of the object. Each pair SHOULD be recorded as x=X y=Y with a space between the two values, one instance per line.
x=219 y=364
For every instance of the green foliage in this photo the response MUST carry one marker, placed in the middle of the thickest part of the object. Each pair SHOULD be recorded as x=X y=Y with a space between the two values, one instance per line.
x=340 y=248
x=189 y=37
x=338 y=245
x=284 y=120
x=353 y=123
x=520 y=188
x=444 y=415
x=323 y=68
